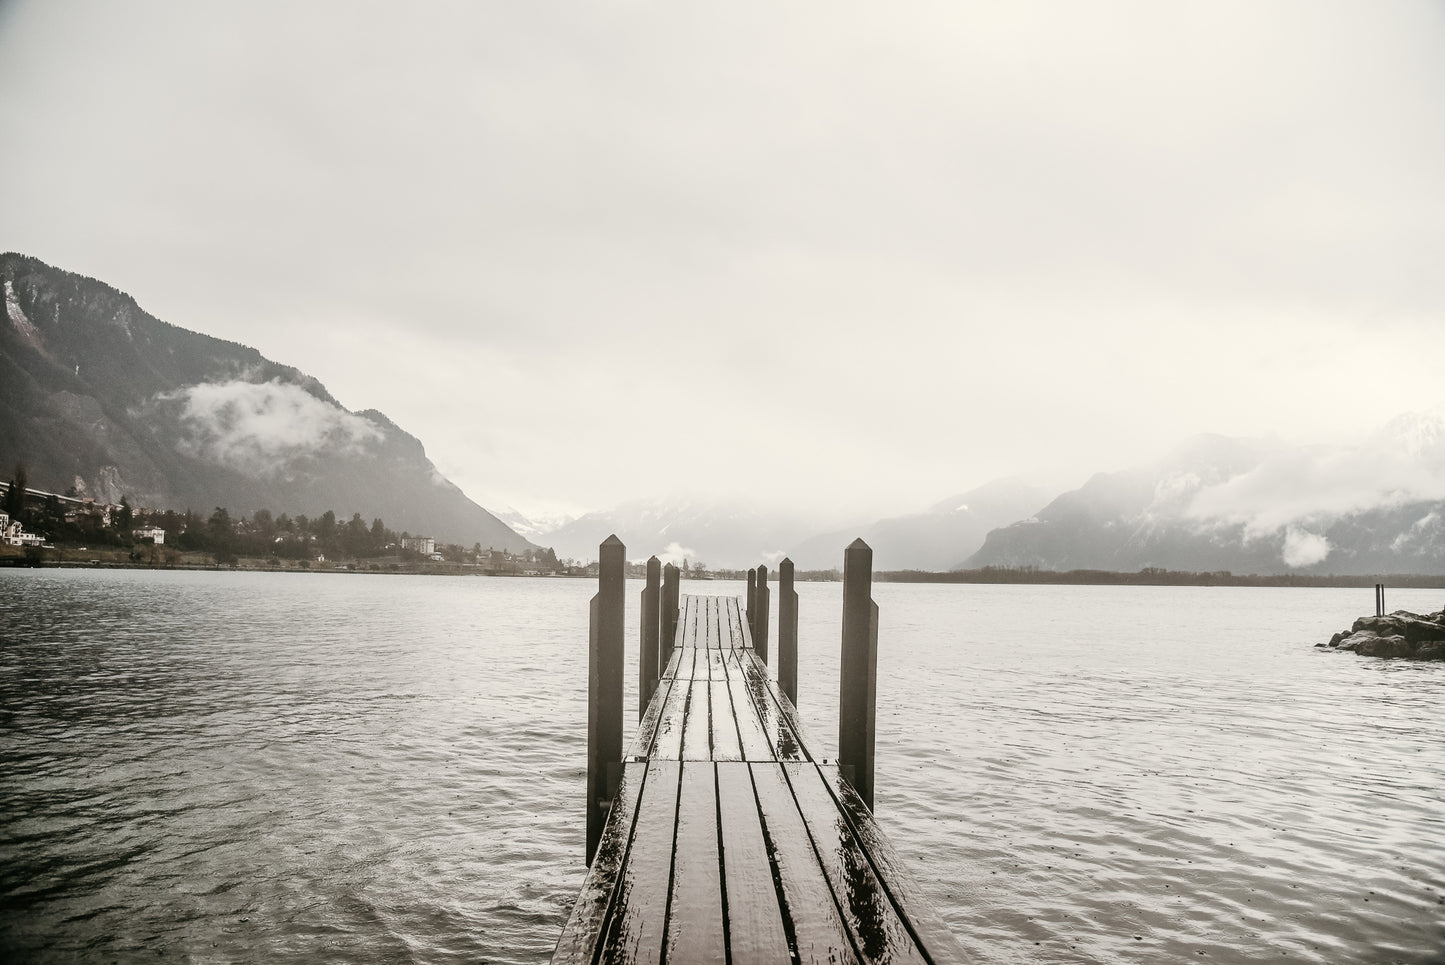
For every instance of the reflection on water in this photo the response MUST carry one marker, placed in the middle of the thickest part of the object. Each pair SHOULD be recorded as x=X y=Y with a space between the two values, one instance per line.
x=286 y=767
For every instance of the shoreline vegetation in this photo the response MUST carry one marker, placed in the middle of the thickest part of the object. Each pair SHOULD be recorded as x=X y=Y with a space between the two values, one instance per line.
x=62 y=556
x=72 y=530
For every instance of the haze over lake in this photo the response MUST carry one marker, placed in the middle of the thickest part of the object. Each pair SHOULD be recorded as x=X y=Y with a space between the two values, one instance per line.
x=301 y=768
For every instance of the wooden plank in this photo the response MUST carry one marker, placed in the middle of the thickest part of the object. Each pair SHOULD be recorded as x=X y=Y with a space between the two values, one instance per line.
x=744 y=631
x=819 y=934
x=754 y=741
x=716 y=669
x=589 y=914
x=867 y=907
x=733 y=625
x=923 y=921
x=642 y=741
x=687 y=627
x=726 y=745
x=777 y=719
x=714 y=638
x=697 y=737
x=667 y=742
x=695 y=927
x=638 y=917
x=756 y=935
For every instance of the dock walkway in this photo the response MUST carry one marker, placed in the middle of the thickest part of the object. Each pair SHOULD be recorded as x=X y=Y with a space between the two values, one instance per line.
x=727 y=841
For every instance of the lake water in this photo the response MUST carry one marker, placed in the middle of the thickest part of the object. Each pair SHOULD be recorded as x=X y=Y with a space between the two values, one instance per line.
x=224 y=767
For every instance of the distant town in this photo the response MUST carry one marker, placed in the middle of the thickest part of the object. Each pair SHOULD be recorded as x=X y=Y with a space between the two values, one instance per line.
x=45 y=528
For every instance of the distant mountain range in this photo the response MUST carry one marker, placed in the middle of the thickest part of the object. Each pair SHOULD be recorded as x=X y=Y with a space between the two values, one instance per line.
x=1249 y=506
x=98 y=394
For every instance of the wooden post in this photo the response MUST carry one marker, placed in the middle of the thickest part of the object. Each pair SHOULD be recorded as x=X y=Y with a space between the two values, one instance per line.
x=647 y=653
x=752 y=602
x=760 y=624
x=858 y=671
x=787 y=632
x=604 y=688
x=671 y=578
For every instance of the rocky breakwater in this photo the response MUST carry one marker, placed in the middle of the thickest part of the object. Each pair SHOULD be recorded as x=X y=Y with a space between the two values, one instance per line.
x=1399 y=634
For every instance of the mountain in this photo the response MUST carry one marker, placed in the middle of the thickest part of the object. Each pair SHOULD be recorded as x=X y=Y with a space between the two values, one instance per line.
x=1251 y=506
x=98 y=394
x=717 y=534
x=935 y=539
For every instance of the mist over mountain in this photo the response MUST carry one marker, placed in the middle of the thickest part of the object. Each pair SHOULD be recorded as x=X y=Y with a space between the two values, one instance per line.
x=98 y=394
x=935 y=539
x=716 y=533
x=1251 y=506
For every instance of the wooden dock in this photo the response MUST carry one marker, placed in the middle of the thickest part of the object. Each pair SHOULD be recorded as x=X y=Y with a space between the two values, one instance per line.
x=720 y=837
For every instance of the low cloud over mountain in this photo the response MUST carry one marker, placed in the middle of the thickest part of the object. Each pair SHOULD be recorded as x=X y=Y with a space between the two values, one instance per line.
x=1252 y=506
x=98 y=394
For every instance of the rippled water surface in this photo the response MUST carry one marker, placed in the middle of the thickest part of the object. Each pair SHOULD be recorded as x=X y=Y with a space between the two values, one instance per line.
x=301 y=768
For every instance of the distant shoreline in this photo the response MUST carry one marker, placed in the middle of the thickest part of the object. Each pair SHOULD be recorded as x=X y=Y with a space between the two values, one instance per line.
x=991 y=575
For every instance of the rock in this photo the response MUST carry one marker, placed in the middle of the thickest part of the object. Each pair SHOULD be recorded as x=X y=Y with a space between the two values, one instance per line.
x=1411 y=626
x=1394 y=645
x=1431 y=650
x=1398 y=634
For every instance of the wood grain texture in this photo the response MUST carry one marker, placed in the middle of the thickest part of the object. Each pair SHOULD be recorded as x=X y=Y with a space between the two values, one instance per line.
x=866 y=906
x=931 y=934
x=697 y=736
x=589 y=915
x=695 y=927
x=725 y=743
x=671 y=721
x=637 y=921
x=755 y=919
x=642 y=741
x=819 y=934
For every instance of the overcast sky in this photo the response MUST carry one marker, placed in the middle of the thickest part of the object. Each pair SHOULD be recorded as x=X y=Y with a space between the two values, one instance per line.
x=858 y=255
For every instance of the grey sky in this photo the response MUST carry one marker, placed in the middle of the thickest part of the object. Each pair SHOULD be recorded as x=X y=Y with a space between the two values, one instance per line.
x=856 y=255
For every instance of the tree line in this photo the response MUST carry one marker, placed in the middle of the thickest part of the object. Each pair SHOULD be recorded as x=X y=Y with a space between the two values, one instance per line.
x=225 y=536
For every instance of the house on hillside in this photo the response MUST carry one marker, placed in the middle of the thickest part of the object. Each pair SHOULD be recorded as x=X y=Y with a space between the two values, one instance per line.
x=155 y=534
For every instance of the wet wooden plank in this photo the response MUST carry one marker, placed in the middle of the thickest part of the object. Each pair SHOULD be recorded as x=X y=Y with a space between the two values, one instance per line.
x=922 y=919
x=638 y=919
x=867 y=908
x=819 y=934
x=671 y=721
x=755 y=922
x=687 y=625
x=725 y=743
x=646 y=734
x=733 y=623
x=755 y=744
x=589 y=914
x=777 y=718
x=697 y=737
x=695 y=927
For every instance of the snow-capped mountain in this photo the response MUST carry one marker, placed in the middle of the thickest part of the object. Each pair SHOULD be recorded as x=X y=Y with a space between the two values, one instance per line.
x=1251 y=506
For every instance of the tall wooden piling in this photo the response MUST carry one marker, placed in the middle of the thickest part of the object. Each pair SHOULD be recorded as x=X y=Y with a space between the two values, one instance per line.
x=752 y=606
x=1379 y=599
x=787 y=631
x=760 y=623
x=648 y=648
x=671 y=595
x=604 y=688
x=857 y=673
